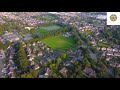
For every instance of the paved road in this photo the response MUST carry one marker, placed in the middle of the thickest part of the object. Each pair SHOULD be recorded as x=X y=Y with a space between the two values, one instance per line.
x=85 y=46
x=0 y=68
x=93 y=55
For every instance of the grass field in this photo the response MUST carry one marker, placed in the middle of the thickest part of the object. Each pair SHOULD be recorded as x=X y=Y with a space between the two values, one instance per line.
x=46 y=29
x=49 y=28
x=102 y=44
x=59 y=42
x=46 y=17
x=40 y=31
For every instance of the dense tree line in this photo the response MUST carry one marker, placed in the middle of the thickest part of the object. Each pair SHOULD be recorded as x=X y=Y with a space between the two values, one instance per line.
x=84 y=38
x=20 y=57
x=4 y=46
x=1 y=45
x=111 y=35
x=31 y=74
x=75 y=35
x=21 y=61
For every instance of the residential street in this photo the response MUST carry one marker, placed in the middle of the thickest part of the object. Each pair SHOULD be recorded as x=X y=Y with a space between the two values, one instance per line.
x=0 y=68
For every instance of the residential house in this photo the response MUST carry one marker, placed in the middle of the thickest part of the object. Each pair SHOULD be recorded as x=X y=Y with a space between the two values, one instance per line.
x=103 y=49
x=48 y=49
x=2 y=54
x=108 y=58
x=30 y=59
x=4 y=70
x=89 y=72
x=40 y=54
x=63 y=70
x=32 y=63
x=48 y=72
x=109 y=49
x=38 y=42
x=115 y=50
x=72 y=61
x=119 y=50
x=79 y=58
x=109 y=53
x=98 y=48
x=93 y=43
x=67 y=63
x=36 y=66
x=34 y=44
x=12 y=64
x=117 y=54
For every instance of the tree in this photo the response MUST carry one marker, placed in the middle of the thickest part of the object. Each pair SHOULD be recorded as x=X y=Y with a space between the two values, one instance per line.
x=93 y=49
x=80 y=74
x=30 y=74
x=59 y=60
x=63 y=55
x=54 y=75
x=27 y=75
x=79 y=42
x=53 y=66
x=77 y=68
x=84 y=38
x=65 y=75
x=116 y=76
x=20 y=57
x=117 y=72
x=34 y=73
x=71 y=76
x=85 y=51
x=1 y=45
x=86 y=62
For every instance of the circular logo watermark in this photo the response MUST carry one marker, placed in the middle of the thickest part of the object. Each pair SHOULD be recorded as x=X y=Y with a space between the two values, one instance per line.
x=113 y=17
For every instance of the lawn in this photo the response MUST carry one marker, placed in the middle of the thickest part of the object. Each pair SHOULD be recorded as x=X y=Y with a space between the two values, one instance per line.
x=59 y=42
x=49 y=28
x=45 y=29
x=46 y=17
x=102 y=44
x=40 y=31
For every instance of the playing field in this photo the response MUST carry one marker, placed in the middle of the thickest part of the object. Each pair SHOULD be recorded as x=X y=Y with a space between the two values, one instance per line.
x=59 y=42
x=49 y=28
x=46 y=17
x=40 y=31
x=46 y=29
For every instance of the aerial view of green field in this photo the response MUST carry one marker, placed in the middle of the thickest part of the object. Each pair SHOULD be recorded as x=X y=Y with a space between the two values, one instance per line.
x=45 y=29
x=59 y=45
x=59 y=42
x=49 y=28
